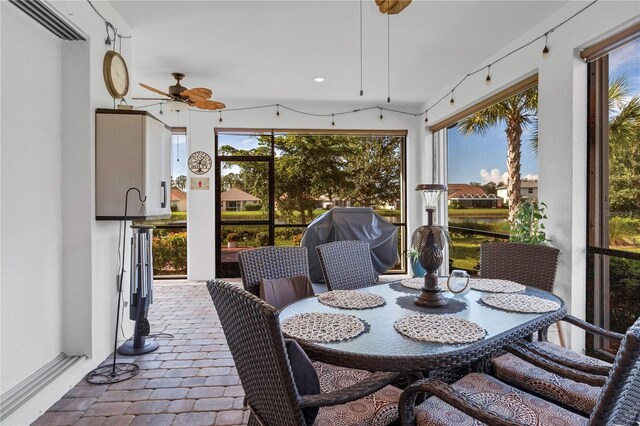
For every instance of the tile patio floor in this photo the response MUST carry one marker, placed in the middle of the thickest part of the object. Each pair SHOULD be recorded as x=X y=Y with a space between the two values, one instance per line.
x=189 y=380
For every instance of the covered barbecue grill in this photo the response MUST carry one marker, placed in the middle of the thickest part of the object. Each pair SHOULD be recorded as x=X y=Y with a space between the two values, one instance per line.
x=352 y=223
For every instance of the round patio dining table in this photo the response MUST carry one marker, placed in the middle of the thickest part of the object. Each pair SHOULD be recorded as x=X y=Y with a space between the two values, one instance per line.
x=382 y=348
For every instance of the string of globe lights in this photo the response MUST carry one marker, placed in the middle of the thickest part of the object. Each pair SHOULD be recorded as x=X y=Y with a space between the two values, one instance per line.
x=110 y=29
x=450 y=94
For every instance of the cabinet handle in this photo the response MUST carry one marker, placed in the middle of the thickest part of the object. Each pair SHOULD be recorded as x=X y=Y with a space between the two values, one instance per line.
x=163 y=185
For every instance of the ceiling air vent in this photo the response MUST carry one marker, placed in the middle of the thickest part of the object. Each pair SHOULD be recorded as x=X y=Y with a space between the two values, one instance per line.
x=49 y=19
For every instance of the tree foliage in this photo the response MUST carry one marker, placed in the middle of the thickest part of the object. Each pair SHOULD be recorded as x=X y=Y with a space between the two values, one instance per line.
x=180 y=182
x=372 y=171
x=624 y=148
x=364 y=170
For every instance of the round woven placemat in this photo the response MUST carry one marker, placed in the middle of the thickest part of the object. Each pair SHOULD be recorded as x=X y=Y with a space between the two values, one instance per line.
x=323 y=327
x=351 y=299
x=439 y=329
x=417 y=283
x=496 y=286
x=520 y=303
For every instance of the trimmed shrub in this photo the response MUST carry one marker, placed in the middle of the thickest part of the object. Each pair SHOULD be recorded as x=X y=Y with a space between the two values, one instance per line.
x=252 y=207
x=262 y=239
x=170 y=253
x=233 y=237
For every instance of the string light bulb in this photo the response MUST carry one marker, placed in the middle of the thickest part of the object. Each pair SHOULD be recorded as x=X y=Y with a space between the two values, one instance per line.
x=451 y=101
x=278 y=110
x=161 y=112
x=426 y=119
x=333 y=121
x=545 y=51
x=381 y=116
x=220 y=119
x=487 y=80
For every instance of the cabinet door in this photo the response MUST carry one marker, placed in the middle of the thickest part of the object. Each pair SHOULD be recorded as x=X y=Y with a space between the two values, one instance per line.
x=156 y=192
x=119 y=159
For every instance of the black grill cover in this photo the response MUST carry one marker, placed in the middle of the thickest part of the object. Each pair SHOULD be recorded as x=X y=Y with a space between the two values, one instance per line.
x=352 y=223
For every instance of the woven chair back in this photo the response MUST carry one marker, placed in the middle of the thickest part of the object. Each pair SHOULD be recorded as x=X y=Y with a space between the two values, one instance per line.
x=271 y=263
x=532 y=265
x=347 y=265
x=619 y=400
x=252 y=330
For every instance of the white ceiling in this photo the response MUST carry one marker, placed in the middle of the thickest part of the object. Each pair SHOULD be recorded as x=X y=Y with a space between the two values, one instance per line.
x=271 y=50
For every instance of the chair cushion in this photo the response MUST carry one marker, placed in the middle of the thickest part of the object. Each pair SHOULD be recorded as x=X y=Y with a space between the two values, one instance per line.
x=520 y=373
x=379 y=408
x=569 y=354
x=304 y=376
x=494 y=395
x=283 y=291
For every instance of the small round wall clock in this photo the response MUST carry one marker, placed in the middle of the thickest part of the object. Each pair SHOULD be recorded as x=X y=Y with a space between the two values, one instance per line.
x=116 y=74
x=199 y=162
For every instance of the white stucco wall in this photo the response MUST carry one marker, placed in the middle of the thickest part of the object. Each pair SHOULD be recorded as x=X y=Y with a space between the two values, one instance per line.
x=59 y=265
x=200 y=135
x=562 y=115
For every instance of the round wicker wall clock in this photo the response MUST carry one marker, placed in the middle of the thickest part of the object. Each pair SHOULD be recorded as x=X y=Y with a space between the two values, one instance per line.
x=199 y=162
x=116 y=74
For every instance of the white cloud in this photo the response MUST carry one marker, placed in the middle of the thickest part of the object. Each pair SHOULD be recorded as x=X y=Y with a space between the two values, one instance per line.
x=492 y=176
x=498 y=177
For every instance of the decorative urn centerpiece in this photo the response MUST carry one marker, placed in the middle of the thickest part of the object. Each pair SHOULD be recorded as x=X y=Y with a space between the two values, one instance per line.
x=429 y=241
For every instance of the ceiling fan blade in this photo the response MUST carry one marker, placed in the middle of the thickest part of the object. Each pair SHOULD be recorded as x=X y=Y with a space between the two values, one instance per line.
x=210 y=105
x=160 y=92
x=399 y=7
x=202 y=91
x=193 y=96
x=151 y=99
x=392 y=7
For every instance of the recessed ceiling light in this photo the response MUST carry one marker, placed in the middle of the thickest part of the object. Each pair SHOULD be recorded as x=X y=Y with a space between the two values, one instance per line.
x=318 y=79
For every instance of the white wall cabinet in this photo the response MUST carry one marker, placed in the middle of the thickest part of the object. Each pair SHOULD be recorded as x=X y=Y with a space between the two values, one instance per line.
x=133 y=150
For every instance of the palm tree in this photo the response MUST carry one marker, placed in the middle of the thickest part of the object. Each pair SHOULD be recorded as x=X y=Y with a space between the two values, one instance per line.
x=624 y=147
x=517 y=113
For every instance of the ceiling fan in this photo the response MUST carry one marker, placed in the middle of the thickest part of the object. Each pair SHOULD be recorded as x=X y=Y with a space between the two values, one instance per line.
x=180 y=98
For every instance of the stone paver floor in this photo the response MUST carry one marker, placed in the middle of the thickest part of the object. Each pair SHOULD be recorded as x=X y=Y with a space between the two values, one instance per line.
x=189 y=380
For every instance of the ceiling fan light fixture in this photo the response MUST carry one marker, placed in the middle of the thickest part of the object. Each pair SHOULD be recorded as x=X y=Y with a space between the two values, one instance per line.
x=174 y=105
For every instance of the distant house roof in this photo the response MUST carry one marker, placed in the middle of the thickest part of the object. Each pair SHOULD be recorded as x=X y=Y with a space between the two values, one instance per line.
x=524 y=183
x=235 y=194
x=459 y=190
x=177 y=195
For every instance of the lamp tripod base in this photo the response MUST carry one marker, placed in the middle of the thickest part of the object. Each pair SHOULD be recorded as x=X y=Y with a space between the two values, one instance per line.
x=431 y=296
x=128 y=348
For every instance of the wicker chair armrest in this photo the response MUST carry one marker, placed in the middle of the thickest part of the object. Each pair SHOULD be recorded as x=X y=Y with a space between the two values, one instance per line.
x=371 y=384
x=571 y=363
x=593 y=328
x=553 y=367
x=449 y=395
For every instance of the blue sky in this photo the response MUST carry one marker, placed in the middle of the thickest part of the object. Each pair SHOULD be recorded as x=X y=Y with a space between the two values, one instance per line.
x=626 y=61
x=484 y=158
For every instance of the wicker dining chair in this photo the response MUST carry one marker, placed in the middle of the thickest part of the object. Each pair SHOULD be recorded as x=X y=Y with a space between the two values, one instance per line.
x=347 y=265
x=533 y=265
x=493 y=402
x=271 y=263
x=265 y=364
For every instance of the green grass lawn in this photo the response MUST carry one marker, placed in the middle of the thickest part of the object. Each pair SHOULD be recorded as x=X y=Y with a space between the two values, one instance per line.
x=492 y=213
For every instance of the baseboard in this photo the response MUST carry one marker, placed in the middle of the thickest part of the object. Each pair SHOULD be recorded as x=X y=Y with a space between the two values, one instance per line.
x=46 y=387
